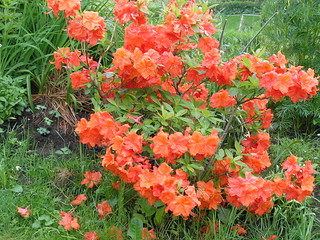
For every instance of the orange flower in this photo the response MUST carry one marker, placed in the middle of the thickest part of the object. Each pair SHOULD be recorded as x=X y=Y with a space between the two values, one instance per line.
x=122 y=58
x=116 y=185
x=91 y=179
x=283 y=82
x=70 y=7
x=279 y=60
x=146 y=67
x=63 y=55
x=161 y=145
x=206 y=44
x=181 y=205
x=91 y=236
x=88 y=27
x=79 y=79
x=24 y=212
x=114 y=233
x=209 y=196
x=79 y=199
x=211 y=58
x=103 y=209
x=68 y=222
x=222 y=99
x=201 y=147
x=240 y=230
x=126 y=11
x=171 y=64
x=270 y=238
x=148 y=234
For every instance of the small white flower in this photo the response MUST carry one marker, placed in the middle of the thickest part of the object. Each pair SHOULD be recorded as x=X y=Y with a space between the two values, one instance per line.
x=18 y=168
x=304 y=151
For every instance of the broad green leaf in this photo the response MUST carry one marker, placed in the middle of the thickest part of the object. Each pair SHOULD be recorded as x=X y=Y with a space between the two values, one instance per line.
x=17 y=189
x=160 y=214
x=135 y=228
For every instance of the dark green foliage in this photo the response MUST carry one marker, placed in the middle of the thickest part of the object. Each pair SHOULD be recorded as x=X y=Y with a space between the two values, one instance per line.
x=12 y=97
x=238 y=7
x=298 y=118
x=29 y=37
x=294 y=31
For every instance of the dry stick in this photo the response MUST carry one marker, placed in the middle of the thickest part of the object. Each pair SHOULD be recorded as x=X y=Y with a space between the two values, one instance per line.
x=222 y=33
x=223 y=138
x=95 y=82
x=254 y=37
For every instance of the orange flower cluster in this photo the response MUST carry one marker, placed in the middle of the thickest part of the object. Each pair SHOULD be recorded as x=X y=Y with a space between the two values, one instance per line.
x=280 y=81
x=126 y=158
x=255 y=152
x=79 y=199
x=91 y=179
x=126 y=11
x=68 y=222
x=222 y=99
x=70 y=7
x=148 y=54
x=88 y=26
x=173 y=146
x=103 y=209
x=91 y=236
x=299 y=180
x=100 y=130
x=252 y=192
x=256 y=110
x=24 y=212
x=72 y=59
x=256 y=193
x=63 y=55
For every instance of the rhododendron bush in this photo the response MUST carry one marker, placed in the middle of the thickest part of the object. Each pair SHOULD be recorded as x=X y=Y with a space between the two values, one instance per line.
x=179 y=125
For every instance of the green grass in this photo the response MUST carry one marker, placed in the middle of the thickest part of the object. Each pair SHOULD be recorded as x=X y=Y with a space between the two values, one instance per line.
x=47 y=184
x=250 y=23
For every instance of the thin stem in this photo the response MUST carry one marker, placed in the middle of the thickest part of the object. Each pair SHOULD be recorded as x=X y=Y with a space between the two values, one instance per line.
x=223 y=138
x=254 y=37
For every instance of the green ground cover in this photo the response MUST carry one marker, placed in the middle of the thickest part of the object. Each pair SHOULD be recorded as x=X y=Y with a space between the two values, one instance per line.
x=48 y=183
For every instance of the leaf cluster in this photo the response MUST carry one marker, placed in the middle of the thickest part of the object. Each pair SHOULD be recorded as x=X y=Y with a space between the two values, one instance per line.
x=12 y=97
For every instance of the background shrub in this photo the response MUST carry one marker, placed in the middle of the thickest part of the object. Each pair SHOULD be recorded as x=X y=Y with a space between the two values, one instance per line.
x=295 y=32
x=238 y=7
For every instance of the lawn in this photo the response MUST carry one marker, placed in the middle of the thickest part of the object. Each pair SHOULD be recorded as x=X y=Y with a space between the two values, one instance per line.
x=252 y=23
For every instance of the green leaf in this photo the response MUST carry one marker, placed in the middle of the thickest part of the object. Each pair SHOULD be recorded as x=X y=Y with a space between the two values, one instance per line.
x=146 y=208
x=44 y=218
x=246 y=62
x=229 y=153
x=36 y=225
x=17 y=189
x=242 y=164
x=135 y=228
x=181 y=113
x=238 y=147
x=160 y=214
x=196 y=166
x=223 y=214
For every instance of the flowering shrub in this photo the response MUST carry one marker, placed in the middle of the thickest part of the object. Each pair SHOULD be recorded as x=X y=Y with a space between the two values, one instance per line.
x=169 y=106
